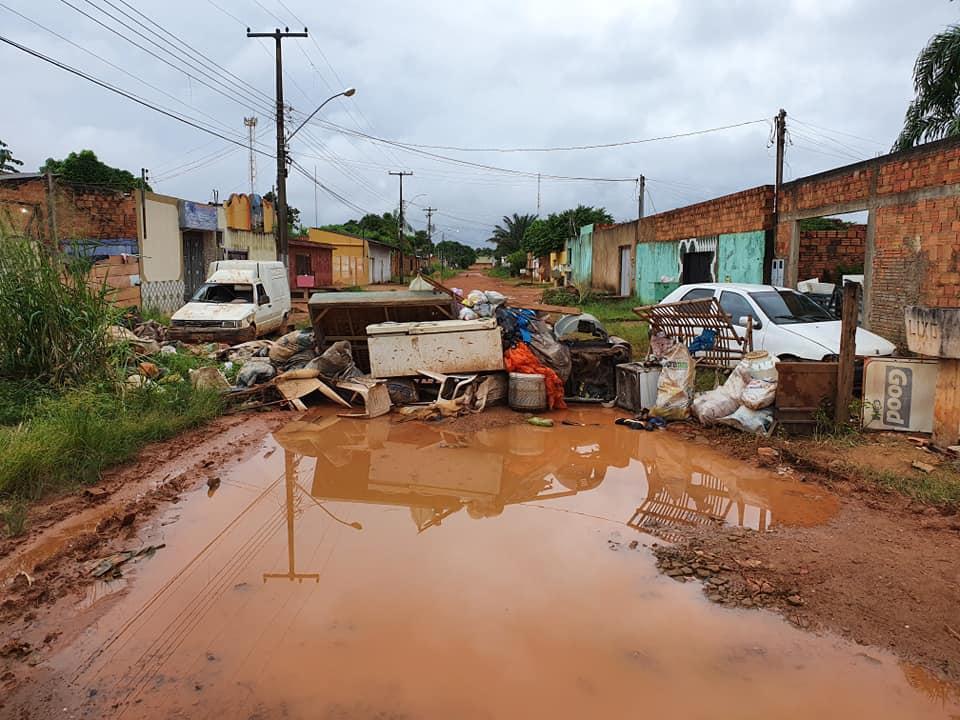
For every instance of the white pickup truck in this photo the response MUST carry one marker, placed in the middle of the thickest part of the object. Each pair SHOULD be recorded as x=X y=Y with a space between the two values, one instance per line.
x=241 y=300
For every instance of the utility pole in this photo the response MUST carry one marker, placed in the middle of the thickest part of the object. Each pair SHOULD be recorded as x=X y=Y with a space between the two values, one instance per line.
x=538 y=194
x=401 y=174
x=251 y=123
x=430 y=211
x=143 y=200
x=780 y=132
x=281 y=140
x=316 y=204
x=641 y=191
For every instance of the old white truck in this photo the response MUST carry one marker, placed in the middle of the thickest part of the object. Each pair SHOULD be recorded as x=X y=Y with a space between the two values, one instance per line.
x=241 y=300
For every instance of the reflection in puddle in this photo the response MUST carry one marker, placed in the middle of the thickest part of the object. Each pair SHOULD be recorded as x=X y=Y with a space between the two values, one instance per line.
x=400 y=570
x=437 y=473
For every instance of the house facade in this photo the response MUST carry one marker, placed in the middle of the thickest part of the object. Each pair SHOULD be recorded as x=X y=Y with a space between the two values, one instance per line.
x=179 y=239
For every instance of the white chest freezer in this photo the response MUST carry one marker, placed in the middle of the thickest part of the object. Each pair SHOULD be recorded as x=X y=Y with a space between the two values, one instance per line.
x=443 y=346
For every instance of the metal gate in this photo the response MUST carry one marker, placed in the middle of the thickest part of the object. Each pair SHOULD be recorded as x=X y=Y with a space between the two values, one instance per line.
x=193 y=270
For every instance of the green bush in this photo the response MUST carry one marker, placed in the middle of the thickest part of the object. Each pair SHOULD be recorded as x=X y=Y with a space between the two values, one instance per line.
x=516 y=261
x=53 y=324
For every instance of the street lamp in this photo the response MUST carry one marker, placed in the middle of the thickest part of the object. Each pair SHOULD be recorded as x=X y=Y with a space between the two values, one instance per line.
x=282 y=163
x=349 y=92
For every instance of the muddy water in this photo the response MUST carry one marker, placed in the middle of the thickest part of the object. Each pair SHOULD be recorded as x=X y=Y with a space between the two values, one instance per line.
x=360 y=569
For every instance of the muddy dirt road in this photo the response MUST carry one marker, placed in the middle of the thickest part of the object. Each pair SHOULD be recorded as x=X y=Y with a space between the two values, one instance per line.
x=355 y=569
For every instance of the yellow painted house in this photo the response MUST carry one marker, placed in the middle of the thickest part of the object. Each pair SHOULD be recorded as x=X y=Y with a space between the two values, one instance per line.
x=356 y=260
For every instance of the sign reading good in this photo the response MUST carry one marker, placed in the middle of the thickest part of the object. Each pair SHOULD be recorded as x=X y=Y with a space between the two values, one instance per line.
x=897 y=391
x=197 y=216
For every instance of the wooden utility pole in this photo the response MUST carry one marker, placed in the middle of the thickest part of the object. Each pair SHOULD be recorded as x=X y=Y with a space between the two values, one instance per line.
x=282 y=233
x=780 y=132
x=52 y=214
x=430 y=211
x=641 y=191
x=401 y=174
x=848 y=353
x=290 y=476
x=143 y=200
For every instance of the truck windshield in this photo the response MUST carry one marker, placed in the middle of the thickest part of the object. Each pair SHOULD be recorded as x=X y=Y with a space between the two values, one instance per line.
x=785 y=307
x=224 y=293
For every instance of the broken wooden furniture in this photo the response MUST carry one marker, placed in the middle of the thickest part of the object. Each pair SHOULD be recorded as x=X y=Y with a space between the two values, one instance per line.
x=935 y=332
x=346 y=315
x=687 y=320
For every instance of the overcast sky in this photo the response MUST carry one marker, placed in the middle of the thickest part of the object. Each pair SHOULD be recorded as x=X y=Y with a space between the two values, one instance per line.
x=499 y=73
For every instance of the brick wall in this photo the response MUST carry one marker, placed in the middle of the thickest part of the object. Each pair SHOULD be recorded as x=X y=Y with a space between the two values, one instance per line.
x=744 y=211
x=913 y=198
x=747 y=211
x=82 y=212
x=822 y=251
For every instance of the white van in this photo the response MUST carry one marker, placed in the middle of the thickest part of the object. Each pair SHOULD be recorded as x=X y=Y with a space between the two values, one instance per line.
x=241 y=300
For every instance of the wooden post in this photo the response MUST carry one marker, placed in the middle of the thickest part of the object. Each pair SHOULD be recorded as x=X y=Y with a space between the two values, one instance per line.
x=848 y=353
x=946 y=406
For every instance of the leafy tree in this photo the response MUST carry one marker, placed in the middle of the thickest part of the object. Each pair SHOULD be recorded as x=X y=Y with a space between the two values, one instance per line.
x=545 y=236
x=8 y=163
x=294 y=227
x=456 y=255
x=825 y=223
x=508 y=236
x=933 y=113
x=517 y=260
x=84 y=168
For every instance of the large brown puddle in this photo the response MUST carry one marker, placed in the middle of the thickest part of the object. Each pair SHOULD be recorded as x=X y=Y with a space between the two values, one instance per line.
x=366 y=569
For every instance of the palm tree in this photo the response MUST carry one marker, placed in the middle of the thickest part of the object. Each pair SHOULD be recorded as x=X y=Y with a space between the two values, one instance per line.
x=509 y=233
x=933 y=113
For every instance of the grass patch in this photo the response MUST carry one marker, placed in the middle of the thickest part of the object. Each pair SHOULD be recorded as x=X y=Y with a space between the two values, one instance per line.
x=13 y=517
x=633 y=332
x=500 y=271
x=69 y=439
x=938 y=488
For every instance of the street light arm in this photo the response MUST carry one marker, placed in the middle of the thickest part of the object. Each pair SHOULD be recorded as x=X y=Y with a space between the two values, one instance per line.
x=349 y=92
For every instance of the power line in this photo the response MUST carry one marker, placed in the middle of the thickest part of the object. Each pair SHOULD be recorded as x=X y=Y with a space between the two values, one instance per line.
x=124 y=93
x=564 y=148
x=243 y=101
x=112 y=65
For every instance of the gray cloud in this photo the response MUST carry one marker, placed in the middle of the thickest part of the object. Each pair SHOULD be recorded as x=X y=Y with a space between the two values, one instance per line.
x=491 y=73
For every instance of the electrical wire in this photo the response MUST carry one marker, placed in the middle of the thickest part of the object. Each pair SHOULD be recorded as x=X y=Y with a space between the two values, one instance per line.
x=565 y=148
x=130 y=96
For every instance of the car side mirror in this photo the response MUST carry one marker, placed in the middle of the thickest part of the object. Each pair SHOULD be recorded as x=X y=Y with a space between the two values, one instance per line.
x=264 y=299
x=746 y=319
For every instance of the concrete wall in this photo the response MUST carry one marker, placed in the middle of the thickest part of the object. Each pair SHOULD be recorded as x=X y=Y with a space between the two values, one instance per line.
x=911 y=249
x=734 y=227
x=740 y=257
x=606 y=256
x=379 y=263
x=162 y=248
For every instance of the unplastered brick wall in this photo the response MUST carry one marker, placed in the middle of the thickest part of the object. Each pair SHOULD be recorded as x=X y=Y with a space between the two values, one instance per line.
x=822 y=252
x=914 y=199
x=81 y=212
x=745 y=211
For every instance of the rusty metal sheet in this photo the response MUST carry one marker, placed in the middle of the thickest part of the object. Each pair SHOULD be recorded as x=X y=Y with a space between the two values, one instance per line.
x=802 y=389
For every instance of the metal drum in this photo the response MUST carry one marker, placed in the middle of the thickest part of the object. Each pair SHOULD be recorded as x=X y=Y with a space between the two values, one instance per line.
x=527 y=392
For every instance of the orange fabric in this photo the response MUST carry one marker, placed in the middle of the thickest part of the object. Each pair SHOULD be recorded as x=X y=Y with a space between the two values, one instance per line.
x=520 y=359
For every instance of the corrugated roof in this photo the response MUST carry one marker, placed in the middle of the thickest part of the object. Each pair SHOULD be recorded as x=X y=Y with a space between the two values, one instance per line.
x=20 y=176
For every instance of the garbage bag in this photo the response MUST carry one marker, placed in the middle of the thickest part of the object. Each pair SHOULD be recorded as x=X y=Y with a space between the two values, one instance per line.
x=291 y=343
x=300 y=359
x=759 y=394
x=675 y=387
x=495 y=299
x=255 y=372
x=751 y=421
x=336 y=361
x=475 y=297
x=467 y=314
x=710 y=406
x=209 y=378
x=550 y=351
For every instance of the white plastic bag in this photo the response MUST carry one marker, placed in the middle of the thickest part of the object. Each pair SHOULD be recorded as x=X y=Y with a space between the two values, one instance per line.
x=751 y=421
x=675 y=387
x=759 y=394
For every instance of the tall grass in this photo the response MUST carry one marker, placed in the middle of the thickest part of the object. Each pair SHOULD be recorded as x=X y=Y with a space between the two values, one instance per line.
x=73 y=436
x=53 y=320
